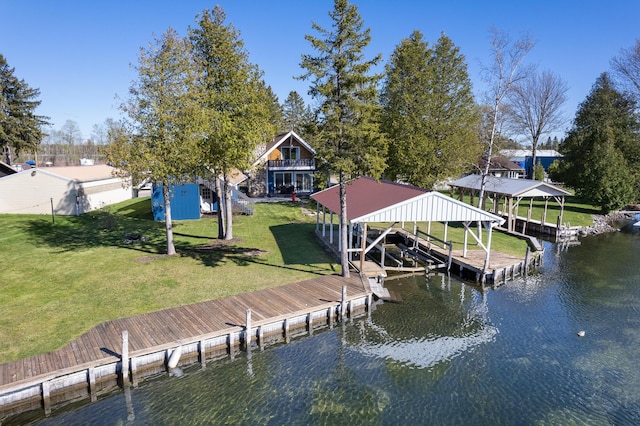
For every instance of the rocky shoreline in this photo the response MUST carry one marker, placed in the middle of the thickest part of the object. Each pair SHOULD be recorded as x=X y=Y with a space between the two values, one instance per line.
x=611 y=222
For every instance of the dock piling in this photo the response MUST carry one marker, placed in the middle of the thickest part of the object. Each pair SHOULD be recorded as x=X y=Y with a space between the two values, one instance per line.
x=343 y=303
x=46 y=398
x=91 y=372
x=247 y=332
x=203 y=353
x=125 y=358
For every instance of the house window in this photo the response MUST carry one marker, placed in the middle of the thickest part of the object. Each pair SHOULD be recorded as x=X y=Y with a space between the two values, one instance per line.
x=284 y=182
x=205 y=193
x=304 y=182
x=290 y=153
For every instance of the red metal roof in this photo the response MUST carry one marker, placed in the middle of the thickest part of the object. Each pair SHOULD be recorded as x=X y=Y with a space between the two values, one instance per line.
x=365 y=195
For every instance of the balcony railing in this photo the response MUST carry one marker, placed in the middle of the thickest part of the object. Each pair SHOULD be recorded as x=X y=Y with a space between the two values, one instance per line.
x=308 y=163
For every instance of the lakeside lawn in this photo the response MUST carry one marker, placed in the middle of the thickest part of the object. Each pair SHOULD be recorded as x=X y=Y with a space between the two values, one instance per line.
x=576 y=212
x=61 y=279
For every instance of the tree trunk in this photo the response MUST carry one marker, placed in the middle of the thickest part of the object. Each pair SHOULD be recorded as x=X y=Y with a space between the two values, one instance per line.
x=344 y=254
x=485 y=172
x=221 y=197
x=7 y=154
x=228 y=235
x=171 y=249
x=534 y=146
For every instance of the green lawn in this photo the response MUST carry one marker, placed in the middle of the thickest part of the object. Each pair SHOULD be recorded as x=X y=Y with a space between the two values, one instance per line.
x=576 y=212
x=61 y=279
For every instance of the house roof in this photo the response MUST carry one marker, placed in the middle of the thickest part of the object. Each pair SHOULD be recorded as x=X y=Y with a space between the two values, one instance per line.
x=74 y=173
x=500 y=162
x=279 y=140
x=82 y=173
x=369 y=200
x=236 y=177
x=522 y=153
x=6 y=169
x=525 y=188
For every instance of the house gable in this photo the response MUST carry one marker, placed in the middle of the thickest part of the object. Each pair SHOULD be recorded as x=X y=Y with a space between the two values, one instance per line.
x=290 y=139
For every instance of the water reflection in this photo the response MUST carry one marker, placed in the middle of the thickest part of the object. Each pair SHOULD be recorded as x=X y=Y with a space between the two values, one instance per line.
x=420 y=345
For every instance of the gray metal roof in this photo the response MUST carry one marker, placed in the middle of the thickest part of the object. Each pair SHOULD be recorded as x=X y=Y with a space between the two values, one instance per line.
x=525 y=188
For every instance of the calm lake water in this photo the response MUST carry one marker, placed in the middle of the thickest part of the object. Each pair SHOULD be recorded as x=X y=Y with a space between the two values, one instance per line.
x=448 y=354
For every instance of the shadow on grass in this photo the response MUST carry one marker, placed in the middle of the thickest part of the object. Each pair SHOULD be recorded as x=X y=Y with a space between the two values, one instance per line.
x=295 y=241
x=218 y=252
x=297 y=244
x=112 y=227
x=100 y=228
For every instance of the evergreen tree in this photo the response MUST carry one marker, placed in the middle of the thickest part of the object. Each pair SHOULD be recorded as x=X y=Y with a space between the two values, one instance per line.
x=602 y=150
x=429 y=112
x=240 y=110
x=349 y=139
x=538 y=171
x=274 y=114
x=164 y=120
x=294 y=110
x=20 y=127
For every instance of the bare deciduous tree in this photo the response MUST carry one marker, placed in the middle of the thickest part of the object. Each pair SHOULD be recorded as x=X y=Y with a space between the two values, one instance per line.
x=505 y=70
x=627 y=67
x=534 y=108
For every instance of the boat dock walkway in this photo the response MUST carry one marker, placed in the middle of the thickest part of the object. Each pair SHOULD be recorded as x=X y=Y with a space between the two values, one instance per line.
x=502 y=266
x=212 y=329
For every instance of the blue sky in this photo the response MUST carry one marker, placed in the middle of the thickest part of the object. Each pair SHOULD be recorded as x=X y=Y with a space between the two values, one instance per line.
x=79 y=53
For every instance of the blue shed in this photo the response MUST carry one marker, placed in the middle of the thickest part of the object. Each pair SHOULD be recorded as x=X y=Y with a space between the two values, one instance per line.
x=185 y=201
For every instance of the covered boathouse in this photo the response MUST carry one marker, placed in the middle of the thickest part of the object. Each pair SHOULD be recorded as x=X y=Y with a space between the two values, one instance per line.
x=506 y=196
x=400 y=208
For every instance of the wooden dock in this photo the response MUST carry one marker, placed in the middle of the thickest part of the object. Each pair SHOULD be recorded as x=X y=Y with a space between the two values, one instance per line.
x=502 y=266
x=94 y=362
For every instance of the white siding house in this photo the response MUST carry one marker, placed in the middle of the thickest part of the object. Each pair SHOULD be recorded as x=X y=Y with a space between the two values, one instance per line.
x=63 y=190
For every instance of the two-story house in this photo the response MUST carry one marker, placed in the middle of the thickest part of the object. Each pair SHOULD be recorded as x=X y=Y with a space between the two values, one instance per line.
x=287 y=165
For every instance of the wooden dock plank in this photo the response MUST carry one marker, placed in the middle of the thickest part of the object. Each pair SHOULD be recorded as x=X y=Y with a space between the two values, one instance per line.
x=164 y=327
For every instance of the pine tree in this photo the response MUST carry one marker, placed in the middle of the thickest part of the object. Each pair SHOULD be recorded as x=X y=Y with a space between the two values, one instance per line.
x=20 y=127
x=294 y=110
x=349 y=139
x=602 y=150
x=164 y=120
x=429 y=112
x=239 y=108
x=275 y=118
